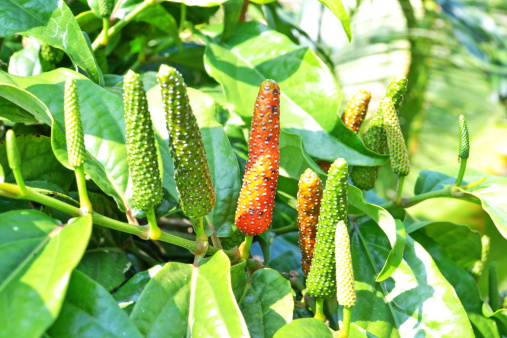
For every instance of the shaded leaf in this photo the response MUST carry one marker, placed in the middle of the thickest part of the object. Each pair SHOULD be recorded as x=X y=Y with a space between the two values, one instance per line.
x=38 y=256
x=267 y=304
x=90 y=311
x=305 y=328
x=105 y=267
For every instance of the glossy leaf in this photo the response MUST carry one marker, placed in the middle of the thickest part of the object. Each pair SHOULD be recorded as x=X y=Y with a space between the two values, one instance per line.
x=39 y=162
x=339 y=10
x=232 y=12
x=393 y=229
x=239 y=280
x=310 y=96
x=416 y=299
x=50 y=21
x=267 y=304
x=294 y=159
x=90 y=311
x=305 y=328
x=221 y=159
x=105 y=267
x=38 y=256
x=196 y=301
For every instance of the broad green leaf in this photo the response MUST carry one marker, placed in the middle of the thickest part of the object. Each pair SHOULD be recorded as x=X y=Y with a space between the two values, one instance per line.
x=339 y=10
x=285 y=253
x=50 y=21
x=162 y=19
x=267 y=304
x=105 y=267
x=500 y=315
x=104 y=140
x=305 y=328
x=21 y=106
x=221 y=159
x=459 y=242
x=232 y=12
x=197 y=301
x=463 y=283
x=38 y=256
x=294 y=159
x=239 y=280
x=417 y=298
x=309 y=98
x=90 y=311
x=38 y=163
x=393 y=229
x=129 y=292
x=200 y=3
x=26 y=61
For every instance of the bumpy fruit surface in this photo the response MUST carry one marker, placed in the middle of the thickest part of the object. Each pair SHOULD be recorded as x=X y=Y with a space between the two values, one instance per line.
x=375 y=139
x=106 y=8
x=356 y=109
x=73 y=125
x=141 y=148
x=233 y=240
x=191 y=171
x=396 y=90
x=398 y=152
x=322 y=277
x=257 y=196
x=345 y=283
x=308 y=205
x=464 y=139
x=51 y=54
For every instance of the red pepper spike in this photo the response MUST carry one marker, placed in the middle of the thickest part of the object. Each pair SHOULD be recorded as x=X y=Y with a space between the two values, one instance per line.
x=257 y=197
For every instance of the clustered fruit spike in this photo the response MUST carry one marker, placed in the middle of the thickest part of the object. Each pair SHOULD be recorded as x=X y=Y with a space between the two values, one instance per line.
x=356 y=109
x=50 y=54
x=398 y=152
x=106 y=8
x=141 y=147
x=73 y=125
x=322 y=277
x=191 y=171
x=396 y=90
x=257 y=196
x=464 y=144
x=308 y=206
x=345 y=282
x=375 y=139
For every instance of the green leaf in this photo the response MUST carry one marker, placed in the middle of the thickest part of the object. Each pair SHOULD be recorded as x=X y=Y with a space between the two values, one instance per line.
x=90 y=311
x=239 y=280
x=463 y=283
x=195 y=300
x=232 y=13
x=267 y=304
x=38 y=256
x=21 y=106
x=38 y=162
x=162 y=19
x=393 y=229
x=26 y=62
x=200 y=3
x=105 y=267
x=50 y=21
x=310 y=96
x=221 y=159
x=339 y=10
x=294 y=160
x=305 y=328
x=104 y=141
x=500 y=316
x=417 y=298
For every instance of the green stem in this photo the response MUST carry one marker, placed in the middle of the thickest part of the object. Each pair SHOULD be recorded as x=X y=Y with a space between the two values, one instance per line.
x=494 y=297
x=183 y=16
x=285 y=229
x=155 y=231
x=214 y=238
x=198 y=223
x=13 y=191
x=246 y=250
x=319 y=309
x=14 y=159
x=84 y=201
x=122 y=23
x=105 y=29
x=399 y=189
x=462 y=169
x=347 y=315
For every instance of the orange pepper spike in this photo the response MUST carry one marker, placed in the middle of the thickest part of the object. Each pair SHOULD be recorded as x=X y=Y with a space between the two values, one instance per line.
x=355 y=112
x=257 y=196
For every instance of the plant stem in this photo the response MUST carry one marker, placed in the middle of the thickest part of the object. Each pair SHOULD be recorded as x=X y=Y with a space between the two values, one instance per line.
x=14 y=159
x=183 y=16
x=214 y=238
x=122 y=23
x=494 y=297
x=14 y=191
x=285 y=229
x=347 y=315
x=246 y=250
x=319 y=309
x=198 y=223
x=105 y=29
x=399 y=189
x=462 y=169
x=155 y=231
x=84 y=201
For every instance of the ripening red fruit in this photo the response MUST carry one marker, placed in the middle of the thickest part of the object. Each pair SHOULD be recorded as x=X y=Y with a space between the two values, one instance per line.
x=257 y=197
